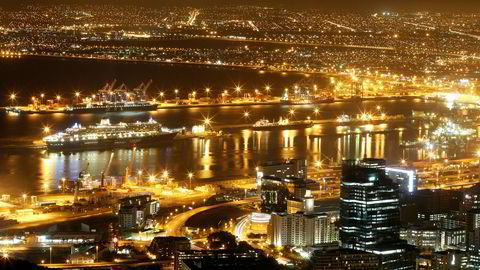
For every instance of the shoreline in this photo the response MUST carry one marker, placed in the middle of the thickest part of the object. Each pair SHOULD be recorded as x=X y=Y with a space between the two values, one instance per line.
x=276 y=102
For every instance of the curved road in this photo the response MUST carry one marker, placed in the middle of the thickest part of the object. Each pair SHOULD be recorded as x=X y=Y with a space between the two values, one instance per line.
x=177 y=223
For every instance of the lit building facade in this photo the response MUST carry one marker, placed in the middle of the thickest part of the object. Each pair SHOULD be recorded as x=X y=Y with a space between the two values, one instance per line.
x=369 y=205
x=302 y=230
x=370 y=215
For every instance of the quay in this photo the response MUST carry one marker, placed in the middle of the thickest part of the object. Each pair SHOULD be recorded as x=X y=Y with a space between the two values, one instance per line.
x=166 y=105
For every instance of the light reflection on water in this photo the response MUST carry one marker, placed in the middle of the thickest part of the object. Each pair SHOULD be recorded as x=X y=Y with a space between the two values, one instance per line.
x=235 y=155
x=217 y=157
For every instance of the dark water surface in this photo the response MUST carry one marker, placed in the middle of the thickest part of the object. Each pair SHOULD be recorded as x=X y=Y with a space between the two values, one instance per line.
x=25 y=169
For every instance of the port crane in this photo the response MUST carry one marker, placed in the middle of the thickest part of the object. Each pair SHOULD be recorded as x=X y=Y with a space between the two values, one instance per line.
x=141 y=90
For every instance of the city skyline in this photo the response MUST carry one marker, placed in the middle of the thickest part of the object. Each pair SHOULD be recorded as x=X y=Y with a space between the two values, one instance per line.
x=302 y=135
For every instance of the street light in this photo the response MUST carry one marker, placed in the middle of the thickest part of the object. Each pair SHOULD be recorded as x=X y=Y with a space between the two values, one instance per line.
x=77 y=94
x=24 y=198
x=190 y=175
x=207 y=90
x=207 y=121
x=238 y=89
x=12 y=98
x=292 y=112
x=50 y=255
x=176 y=93
x=46 y=129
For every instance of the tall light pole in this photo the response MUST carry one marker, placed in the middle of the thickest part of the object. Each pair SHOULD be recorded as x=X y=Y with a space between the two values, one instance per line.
x=50 y=255
x=190 y=176
x=12 y=98
x=238 y=89
x=176 y=93
x=42 y=95
x=207 y=123
x=24 y=198
x=292 y=112
x=207 y=90
x=77 y=94
x=96 y=257
x=267 y=88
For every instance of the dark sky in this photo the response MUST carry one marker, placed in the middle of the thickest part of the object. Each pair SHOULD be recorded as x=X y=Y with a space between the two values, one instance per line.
x=338 y=5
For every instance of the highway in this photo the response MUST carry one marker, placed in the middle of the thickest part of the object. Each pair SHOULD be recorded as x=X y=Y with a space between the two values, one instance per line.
x=54 y=218
x=175 y=226
x=106 y=265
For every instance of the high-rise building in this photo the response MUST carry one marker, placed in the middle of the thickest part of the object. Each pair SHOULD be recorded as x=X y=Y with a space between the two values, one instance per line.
x=369 y=205
x=370 y=215
x=404 y=177
x=301 y=229
x=473 y=231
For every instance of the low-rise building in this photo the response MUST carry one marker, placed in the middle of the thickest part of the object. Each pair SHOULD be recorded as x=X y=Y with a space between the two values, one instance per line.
x=166 y=247
x=217 y=259
x=341 y=259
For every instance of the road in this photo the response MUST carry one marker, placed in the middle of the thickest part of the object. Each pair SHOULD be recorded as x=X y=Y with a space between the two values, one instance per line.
x=177 y=223
x=54 y=218
x=104 y=265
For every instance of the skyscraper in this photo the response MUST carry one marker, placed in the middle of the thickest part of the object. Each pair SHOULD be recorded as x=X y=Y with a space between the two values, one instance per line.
x=370 y=215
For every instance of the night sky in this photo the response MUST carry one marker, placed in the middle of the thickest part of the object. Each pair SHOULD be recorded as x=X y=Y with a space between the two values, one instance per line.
x=338 y=5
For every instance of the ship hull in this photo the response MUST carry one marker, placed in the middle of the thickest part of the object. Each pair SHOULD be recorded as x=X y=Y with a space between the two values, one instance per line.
x=114 y=143
x=284 y=127
x=106 y=109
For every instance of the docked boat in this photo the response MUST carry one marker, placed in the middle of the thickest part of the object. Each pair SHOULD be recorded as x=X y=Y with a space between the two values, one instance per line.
x=105 y=135
x=265 y=124
x=111 y=107
x=119 y=99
